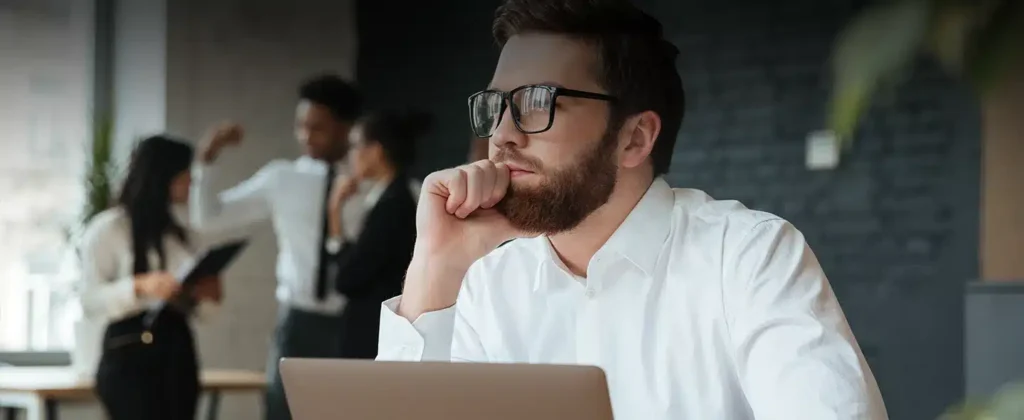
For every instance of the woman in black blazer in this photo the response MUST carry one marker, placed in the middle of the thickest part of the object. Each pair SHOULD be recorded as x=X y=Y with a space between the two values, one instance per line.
x=371 y=268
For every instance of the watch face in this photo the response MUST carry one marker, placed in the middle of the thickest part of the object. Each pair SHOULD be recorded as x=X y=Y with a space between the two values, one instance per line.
x=333 y=245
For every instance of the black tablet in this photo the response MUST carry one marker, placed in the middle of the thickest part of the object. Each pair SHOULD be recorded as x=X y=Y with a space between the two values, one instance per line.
x=209 y=263
x=212 y=262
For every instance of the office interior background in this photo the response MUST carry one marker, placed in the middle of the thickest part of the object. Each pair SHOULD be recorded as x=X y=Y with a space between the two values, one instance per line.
x=923 y=216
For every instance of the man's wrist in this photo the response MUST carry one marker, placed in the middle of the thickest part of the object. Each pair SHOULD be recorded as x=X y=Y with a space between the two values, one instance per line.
x=208 y=153
x=334 y=244
x=432 y=283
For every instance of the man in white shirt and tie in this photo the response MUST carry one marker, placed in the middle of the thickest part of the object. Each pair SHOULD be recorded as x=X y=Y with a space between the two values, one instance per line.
x=293 y=195
x=695 y=308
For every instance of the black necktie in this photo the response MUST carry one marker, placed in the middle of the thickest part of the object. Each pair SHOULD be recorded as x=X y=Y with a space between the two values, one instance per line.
x=321 y=267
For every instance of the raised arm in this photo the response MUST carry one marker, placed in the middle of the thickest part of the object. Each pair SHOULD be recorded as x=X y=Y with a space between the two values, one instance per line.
x=382 y=252
x=796 y=356
x=448 y=334
x=434 y=319
x=245 y=203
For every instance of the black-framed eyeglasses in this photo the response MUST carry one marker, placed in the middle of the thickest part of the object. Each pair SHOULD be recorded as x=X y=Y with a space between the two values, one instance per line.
x=533 y=107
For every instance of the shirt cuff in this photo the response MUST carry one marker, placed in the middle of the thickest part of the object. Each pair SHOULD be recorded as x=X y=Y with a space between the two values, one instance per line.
x=200 y=170
x=427 y=338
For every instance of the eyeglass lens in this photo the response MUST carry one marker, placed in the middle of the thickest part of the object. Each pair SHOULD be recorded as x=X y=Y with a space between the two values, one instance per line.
x=531 y=107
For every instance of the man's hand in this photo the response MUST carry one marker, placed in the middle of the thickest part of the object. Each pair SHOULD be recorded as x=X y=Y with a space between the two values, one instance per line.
x=209 y=288
x=228 y=134
x=456 y=225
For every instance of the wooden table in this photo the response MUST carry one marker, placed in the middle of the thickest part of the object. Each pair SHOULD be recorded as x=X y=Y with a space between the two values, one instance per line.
x=38 y=391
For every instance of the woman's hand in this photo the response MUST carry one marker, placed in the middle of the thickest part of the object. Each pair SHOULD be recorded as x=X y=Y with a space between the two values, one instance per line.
x=209 y=288
x=344 y=187
x=157 y=284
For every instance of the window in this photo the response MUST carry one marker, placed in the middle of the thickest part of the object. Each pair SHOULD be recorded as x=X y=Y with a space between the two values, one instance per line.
x=45 y=89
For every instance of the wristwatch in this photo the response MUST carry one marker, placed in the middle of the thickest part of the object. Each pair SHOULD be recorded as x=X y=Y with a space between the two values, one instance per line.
x=333 y=244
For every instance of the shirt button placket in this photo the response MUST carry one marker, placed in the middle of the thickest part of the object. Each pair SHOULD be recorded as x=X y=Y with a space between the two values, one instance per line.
x=588 y=328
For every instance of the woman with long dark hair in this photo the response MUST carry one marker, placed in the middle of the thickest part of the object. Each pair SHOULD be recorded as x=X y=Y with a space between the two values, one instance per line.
x=371 y=267
x=148 y=368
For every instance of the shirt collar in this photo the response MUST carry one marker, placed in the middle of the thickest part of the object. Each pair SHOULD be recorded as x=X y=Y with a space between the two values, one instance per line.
x=640 y=237
x=306 y=162
x=374 y=189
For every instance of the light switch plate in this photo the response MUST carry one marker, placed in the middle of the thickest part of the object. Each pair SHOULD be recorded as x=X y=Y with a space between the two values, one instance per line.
x=823 y=150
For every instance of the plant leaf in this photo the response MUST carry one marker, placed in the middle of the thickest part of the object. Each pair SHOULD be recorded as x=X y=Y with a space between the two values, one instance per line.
x=997 y=47
x=877 y=44
x=951 y=27
x=848 y=104
x=99 y=171
x=1009 y=402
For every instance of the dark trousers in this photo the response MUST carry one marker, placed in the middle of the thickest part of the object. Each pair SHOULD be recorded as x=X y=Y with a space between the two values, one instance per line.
x=299 y=334
x=155 y=379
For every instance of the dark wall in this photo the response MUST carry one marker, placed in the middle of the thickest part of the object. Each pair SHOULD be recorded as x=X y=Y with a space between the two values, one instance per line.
x=420 y=54
x=895 y=227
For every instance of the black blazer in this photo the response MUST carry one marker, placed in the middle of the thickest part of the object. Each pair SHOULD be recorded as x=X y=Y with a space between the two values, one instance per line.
x=372 y=268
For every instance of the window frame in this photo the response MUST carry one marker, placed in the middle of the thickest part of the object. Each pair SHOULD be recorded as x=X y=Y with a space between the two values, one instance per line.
x=101 y=100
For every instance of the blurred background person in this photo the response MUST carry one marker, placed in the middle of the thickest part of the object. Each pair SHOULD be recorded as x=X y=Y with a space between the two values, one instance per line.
x=371 y=267
x=148 y=367
x=293 y=195
x=478 y=148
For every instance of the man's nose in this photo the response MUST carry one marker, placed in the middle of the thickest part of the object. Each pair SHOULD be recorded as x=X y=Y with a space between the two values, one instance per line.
x=507 y=134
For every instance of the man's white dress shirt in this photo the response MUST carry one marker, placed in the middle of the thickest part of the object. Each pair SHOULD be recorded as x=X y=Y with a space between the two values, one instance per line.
x=696 y=309
x=292 y=195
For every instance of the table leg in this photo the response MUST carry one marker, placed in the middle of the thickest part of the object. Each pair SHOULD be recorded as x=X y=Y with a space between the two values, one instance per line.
x=213 y=408
x=52 y=410
x=35 y=409
x=10 y=413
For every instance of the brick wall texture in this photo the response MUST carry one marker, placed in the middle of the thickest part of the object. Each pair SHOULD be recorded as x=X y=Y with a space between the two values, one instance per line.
x=895 y=226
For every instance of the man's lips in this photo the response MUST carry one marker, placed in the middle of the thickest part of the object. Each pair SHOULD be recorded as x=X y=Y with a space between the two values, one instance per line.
x=516 y=170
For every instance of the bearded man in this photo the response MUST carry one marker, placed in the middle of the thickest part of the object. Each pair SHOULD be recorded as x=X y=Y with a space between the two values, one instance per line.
x=694 y=308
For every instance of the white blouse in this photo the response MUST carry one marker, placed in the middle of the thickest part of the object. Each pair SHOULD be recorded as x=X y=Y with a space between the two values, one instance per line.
x=107 y=291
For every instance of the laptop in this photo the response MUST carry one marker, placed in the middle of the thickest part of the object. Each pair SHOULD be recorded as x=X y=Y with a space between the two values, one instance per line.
x=323 y=389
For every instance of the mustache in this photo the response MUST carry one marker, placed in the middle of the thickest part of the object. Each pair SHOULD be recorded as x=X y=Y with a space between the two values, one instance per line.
x=508 y=155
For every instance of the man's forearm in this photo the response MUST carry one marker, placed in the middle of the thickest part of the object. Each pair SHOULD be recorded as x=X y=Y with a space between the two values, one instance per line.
x=233 y=208
x=204 y=204
x=432 y=283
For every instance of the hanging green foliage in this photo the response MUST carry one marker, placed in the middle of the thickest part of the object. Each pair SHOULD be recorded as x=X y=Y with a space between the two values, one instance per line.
x=979 y=41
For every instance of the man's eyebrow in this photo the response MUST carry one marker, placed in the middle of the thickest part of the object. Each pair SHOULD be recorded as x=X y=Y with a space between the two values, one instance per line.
x=552 y=84
x=545 y=83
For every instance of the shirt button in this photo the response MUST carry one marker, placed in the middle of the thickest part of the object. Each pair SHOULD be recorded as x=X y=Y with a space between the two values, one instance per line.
x=590 y=293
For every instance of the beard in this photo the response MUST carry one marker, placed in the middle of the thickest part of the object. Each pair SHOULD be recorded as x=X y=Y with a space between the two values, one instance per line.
x=567 y=195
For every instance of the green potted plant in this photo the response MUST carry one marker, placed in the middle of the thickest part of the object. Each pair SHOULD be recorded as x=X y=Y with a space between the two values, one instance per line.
x=98 y=181
x=99 y=172
x=978 y=41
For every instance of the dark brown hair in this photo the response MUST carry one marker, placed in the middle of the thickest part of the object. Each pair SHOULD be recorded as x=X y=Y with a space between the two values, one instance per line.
x=636 y=63
x=338 y=95
x=146 y=197
x=397 y=132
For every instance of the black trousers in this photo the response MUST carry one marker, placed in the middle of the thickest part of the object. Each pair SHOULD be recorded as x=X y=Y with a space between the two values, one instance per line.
x=299 y=334
x=151 y=376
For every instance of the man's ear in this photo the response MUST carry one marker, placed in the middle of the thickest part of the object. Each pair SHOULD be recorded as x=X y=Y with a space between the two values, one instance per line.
x=640 y=132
